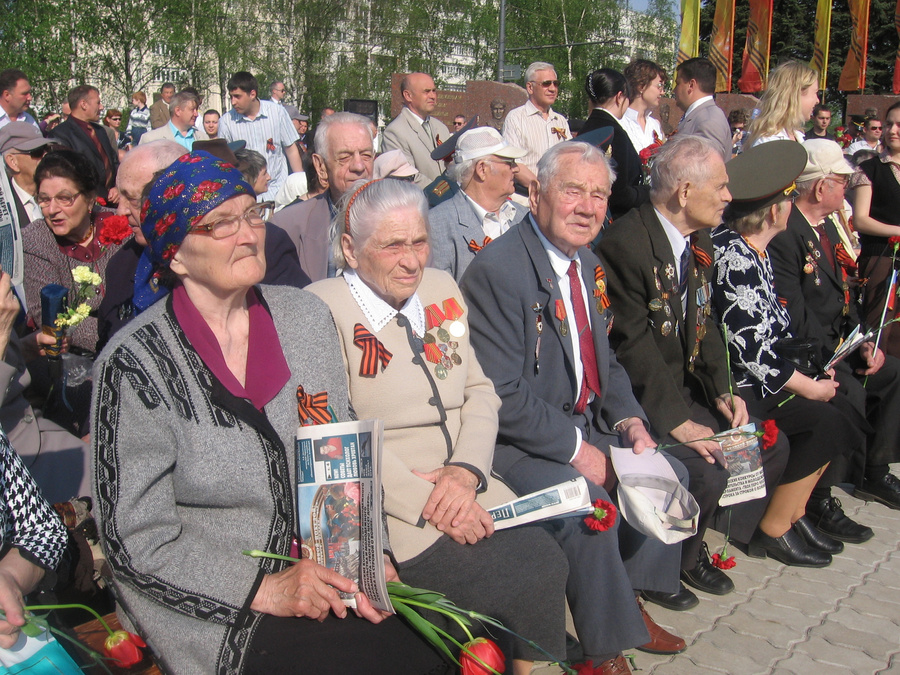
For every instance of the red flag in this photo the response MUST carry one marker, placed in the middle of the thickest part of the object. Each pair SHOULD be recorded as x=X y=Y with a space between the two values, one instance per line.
x=853 y=76
x=755 y=62
x=721 y=47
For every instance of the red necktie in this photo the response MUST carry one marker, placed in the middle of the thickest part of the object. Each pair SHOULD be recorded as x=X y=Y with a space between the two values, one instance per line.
x=591 y=380
x=825 y=242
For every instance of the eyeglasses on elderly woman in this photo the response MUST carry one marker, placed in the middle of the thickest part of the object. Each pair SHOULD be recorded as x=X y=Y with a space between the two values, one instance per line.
x=256 y=216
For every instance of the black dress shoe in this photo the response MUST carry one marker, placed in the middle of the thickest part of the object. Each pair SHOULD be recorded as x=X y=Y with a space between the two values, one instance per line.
x=885 y=490
x=828 y=516
x=789 y=549
x=682 y=600
x=815 y=538
x=707 y=577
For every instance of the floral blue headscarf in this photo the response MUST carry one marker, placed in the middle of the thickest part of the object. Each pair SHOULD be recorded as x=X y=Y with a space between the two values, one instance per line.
x=191 y=187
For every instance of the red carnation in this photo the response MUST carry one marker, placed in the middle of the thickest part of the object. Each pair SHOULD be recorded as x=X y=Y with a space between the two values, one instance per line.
x=101 y=201
x=726 y=564
x=114 y=230
x=770 y=434
x=163 y=224
x=894 y=241
x=603 y=517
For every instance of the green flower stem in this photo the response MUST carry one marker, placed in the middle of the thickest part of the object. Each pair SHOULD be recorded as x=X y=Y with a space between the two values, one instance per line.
x=32 y=608
x=728 y=363
x=440 y=609
x=266 y=554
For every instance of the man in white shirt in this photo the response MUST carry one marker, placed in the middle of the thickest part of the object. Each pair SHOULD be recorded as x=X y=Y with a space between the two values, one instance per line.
x=414 y=130
x=536 y=126
x=871 y=139
x=485 y=166
x=277 y=91
x=15 y=98
x=265 y=126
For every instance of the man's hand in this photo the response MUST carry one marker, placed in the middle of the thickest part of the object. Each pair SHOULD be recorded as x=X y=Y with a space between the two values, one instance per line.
x=593 y=464
x=635 y=435
x=451 y=507
x=305 y=589
x=688 y=432
x=734 y=408
x=873 y=357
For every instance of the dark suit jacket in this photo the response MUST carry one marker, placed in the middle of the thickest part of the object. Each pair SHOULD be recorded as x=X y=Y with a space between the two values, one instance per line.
x=307 y=224
x=709 y=121
x=815 y=309
x=636 y=255
x=116 y=308
x=502 y=286
x=76 y=139
x=453 y=224
x=628 y=190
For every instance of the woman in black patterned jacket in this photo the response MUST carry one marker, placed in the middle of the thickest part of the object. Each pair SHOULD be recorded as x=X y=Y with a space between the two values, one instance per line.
x=754 y=321
x=33 y=537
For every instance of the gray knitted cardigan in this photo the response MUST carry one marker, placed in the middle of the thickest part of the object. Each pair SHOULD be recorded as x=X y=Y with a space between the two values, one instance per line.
x=186 y=475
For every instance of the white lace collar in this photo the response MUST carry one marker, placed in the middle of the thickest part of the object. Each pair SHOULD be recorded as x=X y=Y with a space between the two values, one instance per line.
x=377 y=311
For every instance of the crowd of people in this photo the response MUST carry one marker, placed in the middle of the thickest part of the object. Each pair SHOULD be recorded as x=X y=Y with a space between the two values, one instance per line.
x=512 y=300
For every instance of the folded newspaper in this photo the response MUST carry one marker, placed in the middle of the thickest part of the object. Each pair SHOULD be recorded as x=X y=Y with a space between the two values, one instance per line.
x=339 y=503
x=742 y=458
x=565 y=499
x=854 y=340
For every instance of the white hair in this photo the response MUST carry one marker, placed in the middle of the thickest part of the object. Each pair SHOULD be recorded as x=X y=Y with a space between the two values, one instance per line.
x=322 y=140
x=682 y=158
x=364 y=205
x=535 y=67
x=549 y=165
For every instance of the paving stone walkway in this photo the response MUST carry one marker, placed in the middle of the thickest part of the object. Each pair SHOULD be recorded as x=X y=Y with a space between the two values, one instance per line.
x=784 y=620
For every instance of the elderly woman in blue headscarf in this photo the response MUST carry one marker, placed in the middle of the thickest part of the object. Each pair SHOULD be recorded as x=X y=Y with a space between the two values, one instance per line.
x=194 y=416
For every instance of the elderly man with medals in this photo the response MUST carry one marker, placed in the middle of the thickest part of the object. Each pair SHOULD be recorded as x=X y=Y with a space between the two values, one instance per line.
x=539 y=317
x=659 y=258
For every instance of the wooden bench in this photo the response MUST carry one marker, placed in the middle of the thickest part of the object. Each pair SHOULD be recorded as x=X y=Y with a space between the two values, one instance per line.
x=93 y=634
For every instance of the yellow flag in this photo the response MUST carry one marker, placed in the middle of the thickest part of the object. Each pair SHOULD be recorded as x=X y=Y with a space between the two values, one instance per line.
x=823 y=34
x=689 y=46
x=721 y=48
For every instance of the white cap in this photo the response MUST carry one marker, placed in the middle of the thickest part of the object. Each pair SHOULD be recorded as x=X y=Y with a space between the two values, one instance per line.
x=483 y=141
x=825 y=158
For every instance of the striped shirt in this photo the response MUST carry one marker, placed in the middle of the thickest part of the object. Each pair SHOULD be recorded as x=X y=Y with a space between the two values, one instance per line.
x=526 y=128
x=269 y=133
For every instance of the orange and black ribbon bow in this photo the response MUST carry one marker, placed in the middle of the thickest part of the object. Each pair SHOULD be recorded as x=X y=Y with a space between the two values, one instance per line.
x=600 y=283
x=270 y=145
x=701 y=256
x=313 y=408
x=373 y=351
x=560 y=133
x=844 y=259
x=475 y=247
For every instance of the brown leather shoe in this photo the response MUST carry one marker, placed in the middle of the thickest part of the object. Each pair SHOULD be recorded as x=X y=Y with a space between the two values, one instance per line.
x=616 y=666
x=661 y=640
